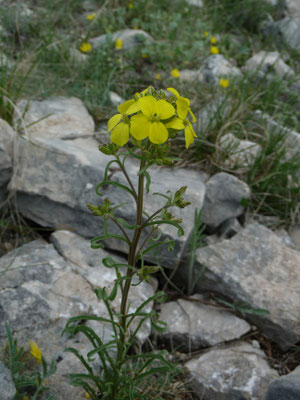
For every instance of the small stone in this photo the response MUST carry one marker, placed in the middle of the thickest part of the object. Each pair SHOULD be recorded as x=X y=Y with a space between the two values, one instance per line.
x=238 y=371
x=55 y=118
x=239 y=153
x=7 y=386
x=115 y=99
x=216 y=66
x=131 y=38
x=224 y=193
x=286 y=387
x=192 y=325
x=268 y=62
x=289 y=28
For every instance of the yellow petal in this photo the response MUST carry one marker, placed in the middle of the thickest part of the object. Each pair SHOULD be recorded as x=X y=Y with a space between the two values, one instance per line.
x=182 y=107
x=134 y=108
x=139 y=127
x=148 y=105
x=158 y=133
x=124 y=106
x=120 y=134
x=175 y=123
x=146 y=90
x=113 y=121
x=173 y=91
x=189 y=134
x=175 y=73
x=164 y=110
x=193 y=116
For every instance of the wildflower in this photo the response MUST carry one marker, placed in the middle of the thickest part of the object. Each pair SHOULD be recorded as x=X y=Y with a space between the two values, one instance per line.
x=118 y=124
x=183 y=105
x=135 y=27
x=130 y=5
x=214 y=50
x=175 y=73
x=149 y=123
x=205 y=34
x=224 y=83
x=118 y=44
x=144 y=55
x=87 y=395
x=213 y=40
x=85 y=47
x=35 y=351
x=90 y=17
x=25 y=398
x=157 y=76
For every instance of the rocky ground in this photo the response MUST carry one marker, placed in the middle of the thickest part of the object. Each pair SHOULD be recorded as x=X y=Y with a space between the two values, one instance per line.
x=236 y=331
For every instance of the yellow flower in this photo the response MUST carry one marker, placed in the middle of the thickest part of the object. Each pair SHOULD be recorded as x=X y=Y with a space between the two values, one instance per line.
x=175 y=73
x=214 y=50
x=149 y=123
x=25 y=398
x=87 y=396
x=205 y=34
x=144 y=55
x=130 y=5
x=35 y=351
x=183 y=105
x=118 y=124
x=213 y=40
x=118 y=44
x=224 y=83
x=90 y=17
x=135 y=27
x=85 y=47
x=157 y=76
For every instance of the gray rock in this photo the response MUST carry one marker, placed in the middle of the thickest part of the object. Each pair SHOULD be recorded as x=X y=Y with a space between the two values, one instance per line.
x=188 y=75
x=294 y=233
x=256 y=269
x=235 y=372
x=291 y=138
x=216 y=66
x=56 y=180
x=131 y=38
x=224 y=193
x=239 y=153
x=56 y=118
x=115 y=99
x=7 y=386
x=267 y=62
x=196 y=3
x=229 y=228
x=293 y=7
x=289 y=28
x=192 y=325
x=7 y=137
x=286 y=387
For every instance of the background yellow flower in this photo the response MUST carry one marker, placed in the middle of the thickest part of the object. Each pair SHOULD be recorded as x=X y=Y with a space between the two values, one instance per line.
x=175 y=73
x=118 y=44
x=85 y=47
x=214 y=50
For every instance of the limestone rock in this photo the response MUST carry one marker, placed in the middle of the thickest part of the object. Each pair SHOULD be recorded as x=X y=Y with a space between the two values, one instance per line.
x=56 y=180
x=256 y=269
x=131 y=38
x=286 y=387
x=289 y=28
x=224 y=193
x=192 y=325
x=196 y=3
x=235 y=372
x=241 y=153
x=55 y=118
x=267 y=62
x=7 y=386
x=7 y=137
x=216 y=66
x=115 y=99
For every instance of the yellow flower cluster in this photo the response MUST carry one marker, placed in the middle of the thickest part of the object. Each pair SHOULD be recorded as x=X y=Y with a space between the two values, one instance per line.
x=150 y=115
x=35 y=351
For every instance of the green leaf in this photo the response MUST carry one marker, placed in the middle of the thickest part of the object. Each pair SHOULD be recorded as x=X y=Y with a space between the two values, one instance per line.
x=148 y=181
x=95 y=242
x=180 y=231
x=113 y=183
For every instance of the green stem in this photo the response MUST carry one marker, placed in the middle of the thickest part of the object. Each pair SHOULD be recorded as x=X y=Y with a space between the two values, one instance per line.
x=131 y=261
